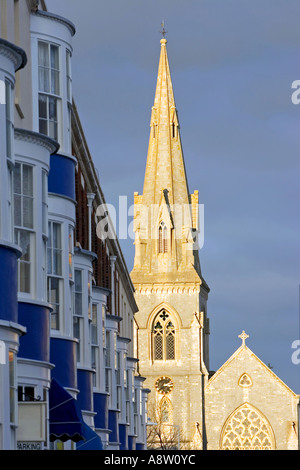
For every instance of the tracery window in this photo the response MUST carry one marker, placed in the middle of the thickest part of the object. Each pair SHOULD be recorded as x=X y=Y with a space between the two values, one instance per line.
x=163 y=337
x=245 y=381
x=247 y=429
x=162 y=238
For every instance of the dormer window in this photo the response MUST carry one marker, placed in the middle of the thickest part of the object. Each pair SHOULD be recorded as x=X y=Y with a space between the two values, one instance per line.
x=162 y=238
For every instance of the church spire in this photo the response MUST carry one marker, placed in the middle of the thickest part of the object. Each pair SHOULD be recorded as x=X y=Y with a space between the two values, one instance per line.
x=165 y=164
x=166 y=215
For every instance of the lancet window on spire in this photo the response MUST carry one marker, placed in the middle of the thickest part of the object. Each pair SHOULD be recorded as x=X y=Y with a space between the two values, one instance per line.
x=163 y=336
x=173 y=130
x=162 y=238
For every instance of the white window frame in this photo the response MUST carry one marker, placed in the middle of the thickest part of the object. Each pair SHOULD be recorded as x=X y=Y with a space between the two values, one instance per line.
x=54 y=275
x=12 y=387
x=25 y=229
x=78 y=314
x=44 y=202
x=69 y=75
x=50 y=95
x=71 y=251
x=9 y=118
x=58 y=305
x=54 y=250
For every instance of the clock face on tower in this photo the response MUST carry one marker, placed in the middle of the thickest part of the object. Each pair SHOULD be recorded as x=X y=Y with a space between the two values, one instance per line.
x=164 y=385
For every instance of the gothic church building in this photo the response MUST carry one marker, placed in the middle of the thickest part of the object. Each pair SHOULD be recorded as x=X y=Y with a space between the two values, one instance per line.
x=244 y=405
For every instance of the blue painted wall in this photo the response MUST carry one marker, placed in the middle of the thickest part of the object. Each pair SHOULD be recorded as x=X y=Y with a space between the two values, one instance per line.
x=101 y=408
x=85 y=386
x=8 y=284
x=123 y=435
x=113 y=425
x=132 y=442
x=61 y=179
x=36 y=343
x=63 y=356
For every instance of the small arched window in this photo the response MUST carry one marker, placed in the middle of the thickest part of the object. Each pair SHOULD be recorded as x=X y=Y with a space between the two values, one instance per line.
x=162 y=238
x=165 y=411
x=163 y=334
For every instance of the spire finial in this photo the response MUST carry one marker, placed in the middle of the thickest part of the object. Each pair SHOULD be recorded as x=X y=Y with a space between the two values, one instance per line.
x=243 y=337
x=163 y=32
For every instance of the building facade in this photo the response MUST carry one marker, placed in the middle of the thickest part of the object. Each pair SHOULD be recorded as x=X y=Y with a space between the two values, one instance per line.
x=67 y=310
x=241 y=406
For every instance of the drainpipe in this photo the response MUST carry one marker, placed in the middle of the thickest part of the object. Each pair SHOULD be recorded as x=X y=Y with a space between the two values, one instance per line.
x=90 y=198
x=112 y=266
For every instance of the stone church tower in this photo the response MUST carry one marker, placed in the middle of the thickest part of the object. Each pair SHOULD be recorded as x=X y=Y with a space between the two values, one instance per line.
x=243 y=405
x=171 y=294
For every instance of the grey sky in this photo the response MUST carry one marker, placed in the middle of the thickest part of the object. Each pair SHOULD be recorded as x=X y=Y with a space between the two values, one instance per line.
x=232 y=65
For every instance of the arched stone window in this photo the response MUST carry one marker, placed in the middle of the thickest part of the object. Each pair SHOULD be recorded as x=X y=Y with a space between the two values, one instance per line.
x=247 y=429
x=163 y=337
x=162 y=238
x=165 y=411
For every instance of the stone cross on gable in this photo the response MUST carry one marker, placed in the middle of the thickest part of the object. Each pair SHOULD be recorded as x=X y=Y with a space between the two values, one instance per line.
x=243 y=337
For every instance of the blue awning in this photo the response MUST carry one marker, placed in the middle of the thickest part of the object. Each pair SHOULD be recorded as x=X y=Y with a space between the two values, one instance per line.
x=66 y=421
x=91 y=440
x=65 y=418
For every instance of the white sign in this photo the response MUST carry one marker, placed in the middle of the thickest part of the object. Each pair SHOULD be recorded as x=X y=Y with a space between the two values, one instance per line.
x=29 y=446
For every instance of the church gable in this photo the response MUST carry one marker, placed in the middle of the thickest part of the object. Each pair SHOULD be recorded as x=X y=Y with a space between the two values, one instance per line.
x=245 y=369
x=243 y=388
